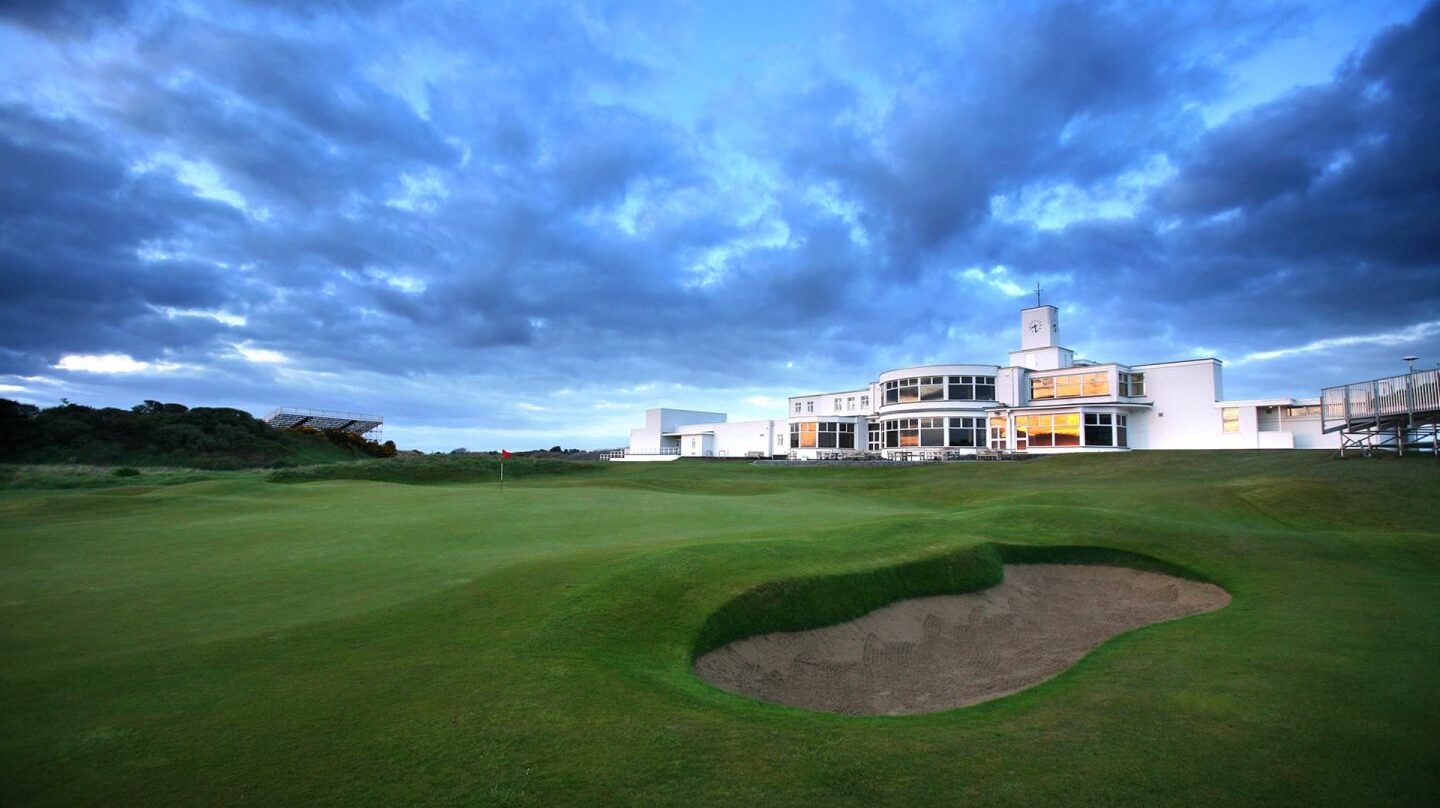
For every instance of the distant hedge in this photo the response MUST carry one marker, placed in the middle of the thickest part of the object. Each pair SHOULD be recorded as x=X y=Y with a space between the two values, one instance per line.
x=164 y=434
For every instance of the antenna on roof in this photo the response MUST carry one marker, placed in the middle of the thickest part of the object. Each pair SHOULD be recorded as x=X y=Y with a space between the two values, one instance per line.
x=1038 y=290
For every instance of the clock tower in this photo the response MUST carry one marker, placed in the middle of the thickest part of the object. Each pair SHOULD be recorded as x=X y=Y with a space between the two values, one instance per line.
x=1039 y=328
x=1040 y=347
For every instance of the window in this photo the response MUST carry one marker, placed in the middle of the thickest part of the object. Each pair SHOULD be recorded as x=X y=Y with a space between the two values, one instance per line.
x=809 y=406
x=1132 y=384
x=875 y=438
x=838 y=403
x=849 y=403
x=836 y=435
x=1230 y=419
x=932 y=431
x=1310 y=411
x=1097 y=384
x=937 y=388
x=1050 y=430
x=906 y=432
x=997 y=432
x=972 y=388
x=797 y=408
x=1099 y=429
x=1070 y=385
x=903 y=432
x=1067 y=429
x=865 y=402
x=932 y=388
x=968 y=432
x=1121 y=422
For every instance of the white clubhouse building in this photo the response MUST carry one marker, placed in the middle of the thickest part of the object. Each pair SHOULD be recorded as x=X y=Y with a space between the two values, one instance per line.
x=1043 y=401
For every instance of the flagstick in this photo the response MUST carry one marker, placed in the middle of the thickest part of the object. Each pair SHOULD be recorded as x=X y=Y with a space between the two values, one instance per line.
x=502 y=475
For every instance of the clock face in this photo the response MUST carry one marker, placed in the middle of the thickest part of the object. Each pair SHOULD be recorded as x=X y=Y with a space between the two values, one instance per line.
x=1035 y=326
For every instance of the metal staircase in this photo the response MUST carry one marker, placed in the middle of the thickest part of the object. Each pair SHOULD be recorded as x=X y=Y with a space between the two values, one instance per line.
x=1396 y=413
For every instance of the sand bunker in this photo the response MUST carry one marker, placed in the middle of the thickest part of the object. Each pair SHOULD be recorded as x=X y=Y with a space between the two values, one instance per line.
x=931 y=654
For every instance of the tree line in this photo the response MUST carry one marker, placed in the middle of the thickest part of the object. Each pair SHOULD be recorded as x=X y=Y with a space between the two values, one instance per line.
x=155 y=433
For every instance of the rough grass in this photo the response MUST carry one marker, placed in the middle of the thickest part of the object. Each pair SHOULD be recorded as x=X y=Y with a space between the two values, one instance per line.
x=429 y=470
x=61 y=477
x=232 y=641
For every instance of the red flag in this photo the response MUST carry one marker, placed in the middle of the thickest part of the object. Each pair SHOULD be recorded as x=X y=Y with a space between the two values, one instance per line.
x=505 y=453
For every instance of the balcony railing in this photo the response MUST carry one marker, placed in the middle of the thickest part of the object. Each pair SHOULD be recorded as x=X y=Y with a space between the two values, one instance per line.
x=1408 y=394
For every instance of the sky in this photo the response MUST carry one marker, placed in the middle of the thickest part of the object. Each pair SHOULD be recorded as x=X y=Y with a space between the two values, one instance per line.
x=515 y=225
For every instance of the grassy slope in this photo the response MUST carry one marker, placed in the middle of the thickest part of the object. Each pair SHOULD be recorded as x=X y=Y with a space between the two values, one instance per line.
x=236 y=640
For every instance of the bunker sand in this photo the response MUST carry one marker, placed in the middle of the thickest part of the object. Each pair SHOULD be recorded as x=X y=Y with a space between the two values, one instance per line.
x=939 y=653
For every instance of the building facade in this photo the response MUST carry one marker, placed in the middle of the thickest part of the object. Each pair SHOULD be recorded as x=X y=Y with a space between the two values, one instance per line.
x=1043 y=401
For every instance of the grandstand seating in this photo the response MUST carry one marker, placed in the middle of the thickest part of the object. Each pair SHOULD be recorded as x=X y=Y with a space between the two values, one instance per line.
x=293 y=417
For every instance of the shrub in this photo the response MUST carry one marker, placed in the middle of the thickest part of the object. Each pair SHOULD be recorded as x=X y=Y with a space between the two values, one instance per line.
x=126 y=471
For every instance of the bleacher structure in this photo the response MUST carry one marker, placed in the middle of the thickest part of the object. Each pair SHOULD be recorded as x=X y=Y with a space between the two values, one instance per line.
x=370 y=426
x=1397 y=413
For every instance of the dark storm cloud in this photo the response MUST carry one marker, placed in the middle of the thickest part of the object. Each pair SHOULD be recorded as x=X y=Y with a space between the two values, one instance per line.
x=289 y=122
x=66 y=17
x=503 y=195
x=74 y=218
x=1327 y=193
x=1039 y=104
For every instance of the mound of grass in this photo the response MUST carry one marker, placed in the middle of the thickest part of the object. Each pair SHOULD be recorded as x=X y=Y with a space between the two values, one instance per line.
x=434 y=469
x=805 y=603
x=808 y=603
x=1106 y=556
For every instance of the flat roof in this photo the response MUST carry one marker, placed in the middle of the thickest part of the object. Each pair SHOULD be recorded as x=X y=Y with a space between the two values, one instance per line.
x=1270 y=402
x=1194 y=361
x=864 y=390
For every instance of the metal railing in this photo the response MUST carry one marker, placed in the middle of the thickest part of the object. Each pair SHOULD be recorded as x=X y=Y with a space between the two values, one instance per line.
x=619 y=453
x=1407 y=394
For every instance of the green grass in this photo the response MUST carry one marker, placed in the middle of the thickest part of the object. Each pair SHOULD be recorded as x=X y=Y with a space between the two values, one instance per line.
x=232 y=640
x=42 y=476
x=429 y=470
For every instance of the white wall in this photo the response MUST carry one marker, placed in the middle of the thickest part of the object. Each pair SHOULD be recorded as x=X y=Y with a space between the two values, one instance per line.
x=1308 y=434
x=649 y=440
x=736 y=439
x=664 y=419
x=852 y=402
x=1007 y=386
x=644 y=441
x=1183 y=413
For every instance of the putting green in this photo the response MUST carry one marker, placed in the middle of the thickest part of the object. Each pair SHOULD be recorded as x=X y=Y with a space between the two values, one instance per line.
x=239 y=641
